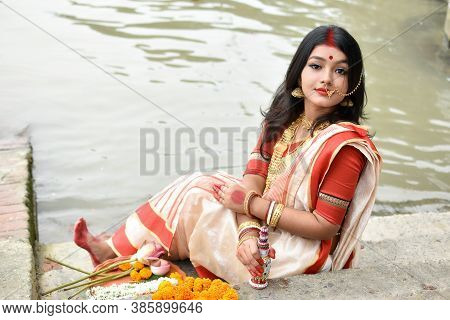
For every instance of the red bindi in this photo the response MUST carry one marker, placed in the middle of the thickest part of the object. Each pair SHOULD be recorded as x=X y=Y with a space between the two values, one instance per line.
x=330 y=57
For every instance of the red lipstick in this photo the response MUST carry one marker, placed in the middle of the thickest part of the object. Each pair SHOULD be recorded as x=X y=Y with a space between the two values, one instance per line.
x=322 y=91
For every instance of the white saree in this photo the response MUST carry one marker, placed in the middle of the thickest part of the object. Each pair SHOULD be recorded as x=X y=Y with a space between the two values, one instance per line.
x=198 y=227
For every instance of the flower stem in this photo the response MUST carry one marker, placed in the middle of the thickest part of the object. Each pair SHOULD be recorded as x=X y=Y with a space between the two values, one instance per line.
x=111 y=267
x=100 y=281
x=66 y=265
x=77 y=293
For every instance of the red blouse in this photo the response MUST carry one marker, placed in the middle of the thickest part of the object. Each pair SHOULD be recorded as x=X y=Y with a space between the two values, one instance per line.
x=339 y=183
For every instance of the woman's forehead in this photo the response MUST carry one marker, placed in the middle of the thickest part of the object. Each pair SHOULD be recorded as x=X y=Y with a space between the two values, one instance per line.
x=327 y=52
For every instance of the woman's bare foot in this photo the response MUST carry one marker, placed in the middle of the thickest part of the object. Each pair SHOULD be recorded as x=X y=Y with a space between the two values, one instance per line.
x=97 y=247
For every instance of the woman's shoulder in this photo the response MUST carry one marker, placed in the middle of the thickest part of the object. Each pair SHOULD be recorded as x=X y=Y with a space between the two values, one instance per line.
x=361 y=130
x=354 y=131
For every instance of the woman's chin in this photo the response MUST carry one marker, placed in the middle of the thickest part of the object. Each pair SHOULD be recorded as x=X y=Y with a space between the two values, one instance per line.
x=322 y=103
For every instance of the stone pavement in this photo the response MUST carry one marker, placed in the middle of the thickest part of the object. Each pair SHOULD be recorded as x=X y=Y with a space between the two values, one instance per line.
x=17 y=221
x=403 y=257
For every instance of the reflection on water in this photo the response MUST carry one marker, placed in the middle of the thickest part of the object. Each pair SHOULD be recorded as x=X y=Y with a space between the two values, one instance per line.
x=210 y=64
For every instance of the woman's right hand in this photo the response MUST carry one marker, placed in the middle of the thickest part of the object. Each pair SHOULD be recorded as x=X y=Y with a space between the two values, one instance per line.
x=248 y=254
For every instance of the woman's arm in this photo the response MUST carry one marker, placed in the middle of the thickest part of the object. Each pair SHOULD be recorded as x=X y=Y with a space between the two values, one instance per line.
x=302 y=223
x=335 y=194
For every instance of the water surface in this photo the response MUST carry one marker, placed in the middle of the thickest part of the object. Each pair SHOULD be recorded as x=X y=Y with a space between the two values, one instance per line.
x=208 y=64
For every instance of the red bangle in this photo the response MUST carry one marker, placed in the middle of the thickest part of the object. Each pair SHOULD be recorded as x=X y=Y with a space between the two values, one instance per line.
x=251 y=196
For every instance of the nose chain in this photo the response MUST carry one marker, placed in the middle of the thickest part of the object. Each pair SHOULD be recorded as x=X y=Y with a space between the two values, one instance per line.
x=331 y=92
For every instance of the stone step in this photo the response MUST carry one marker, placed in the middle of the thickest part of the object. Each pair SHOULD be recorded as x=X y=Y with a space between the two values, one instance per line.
x=17 y=221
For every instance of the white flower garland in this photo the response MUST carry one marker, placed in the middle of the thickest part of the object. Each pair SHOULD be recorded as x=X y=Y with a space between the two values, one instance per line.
x=127 y=290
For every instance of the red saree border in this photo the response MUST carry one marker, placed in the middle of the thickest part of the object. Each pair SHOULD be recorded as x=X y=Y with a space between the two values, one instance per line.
x=122 y=246
x=155 y=224
x=318 y=171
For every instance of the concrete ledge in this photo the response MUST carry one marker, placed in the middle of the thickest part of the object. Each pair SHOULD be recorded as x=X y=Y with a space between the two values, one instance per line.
x=17 y=270
x=17 y=220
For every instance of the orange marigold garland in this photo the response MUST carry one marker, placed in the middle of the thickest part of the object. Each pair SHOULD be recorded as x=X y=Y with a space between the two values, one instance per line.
x=195 y=289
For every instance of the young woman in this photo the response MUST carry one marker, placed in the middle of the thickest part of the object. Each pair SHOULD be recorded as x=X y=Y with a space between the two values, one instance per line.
x=312 y=178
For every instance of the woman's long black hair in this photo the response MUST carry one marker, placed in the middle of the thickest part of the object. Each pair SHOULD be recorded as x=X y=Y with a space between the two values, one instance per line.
x=285 y=108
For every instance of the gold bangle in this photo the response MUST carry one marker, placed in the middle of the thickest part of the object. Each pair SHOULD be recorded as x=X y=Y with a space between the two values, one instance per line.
x=248 y=224
x=276 y=215
x=248 y=229
x=247 y=200
x=270 y=212
x=245 y=239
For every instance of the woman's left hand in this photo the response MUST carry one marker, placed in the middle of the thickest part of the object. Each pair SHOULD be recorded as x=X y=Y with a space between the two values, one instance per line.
x=231 y=195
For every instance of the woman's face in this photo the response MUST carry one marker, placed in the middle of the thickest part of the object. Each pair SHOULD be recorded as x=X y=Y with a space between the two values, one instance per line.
x=326 y=67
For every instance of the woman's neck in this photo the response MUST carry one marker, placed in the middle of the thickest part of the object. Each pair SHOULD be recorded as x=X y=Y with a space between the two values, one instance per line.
x=312 y=112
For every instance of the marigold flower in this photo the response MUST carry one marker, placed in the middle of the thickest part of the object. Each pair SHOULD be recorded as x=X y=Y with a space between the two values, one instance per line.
x=189 y=282
x=230 y=294
x=175 y=275
x=145 y=273
x=138 y=265
x=135 y=276
x=157 y=295
x=222 y=289
x=198 y=285
x=216 y=282
x=167 y=293
x=125 y=266
x=164 y=284
x=204 y=295
x=206 y=283
x=213 y=293
x=195 y=289
x=183 y=293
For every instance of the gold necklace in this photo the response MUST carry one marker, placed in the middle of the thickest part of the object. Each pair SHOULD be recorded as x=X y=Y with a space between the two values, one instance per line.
x=284 y=143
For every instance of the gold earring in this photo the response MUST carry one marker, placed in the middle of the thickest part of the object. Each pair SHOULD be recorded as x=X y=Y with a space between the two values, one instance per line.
x=346 y=103
x=298 y=93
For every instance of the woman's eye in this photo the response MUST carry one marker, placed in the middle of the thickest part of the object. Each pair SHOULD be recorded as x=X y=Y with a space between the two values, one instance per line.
x=341 y=71
x=314 y=66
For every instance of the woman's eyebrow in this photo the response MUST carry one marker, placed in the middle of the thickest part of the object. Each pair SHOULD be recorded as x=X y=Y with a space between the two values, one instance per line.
x=323 y=59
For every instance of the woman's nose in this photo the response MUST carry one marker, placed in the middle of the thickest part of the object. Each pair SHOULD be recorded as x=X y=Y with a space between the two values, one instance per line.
x=327 y=78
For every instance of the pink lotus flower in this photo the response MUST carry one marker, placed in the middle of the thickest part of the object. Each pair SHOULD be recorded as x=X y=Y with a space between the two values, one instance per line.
x=160 y=267
x=149 y=252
